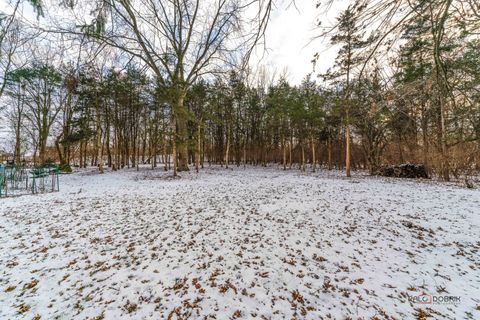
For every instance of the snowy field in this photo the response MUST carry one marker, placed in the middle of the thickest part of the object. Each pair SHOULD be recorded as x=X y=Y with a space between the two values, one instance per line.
x=240 y=244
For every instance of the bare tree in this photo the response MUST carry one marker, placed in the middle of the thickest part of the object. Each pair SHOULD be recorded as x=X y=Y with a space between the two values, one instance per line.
x=9 y=42
x=180 y=41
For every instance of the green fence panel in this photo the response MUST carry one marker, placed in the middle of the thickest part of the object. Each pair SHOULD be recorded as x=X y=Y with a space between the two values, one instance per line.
x=18 y=179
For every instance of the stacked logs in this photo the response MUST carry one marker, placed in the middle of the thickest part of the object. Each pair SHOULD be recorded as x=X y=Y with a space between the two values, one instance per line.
x=407 y=170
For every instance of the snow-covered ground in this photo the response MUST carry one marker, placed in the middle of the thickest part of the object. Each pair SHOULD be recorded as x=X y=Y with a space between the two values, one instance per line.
x=258 y=243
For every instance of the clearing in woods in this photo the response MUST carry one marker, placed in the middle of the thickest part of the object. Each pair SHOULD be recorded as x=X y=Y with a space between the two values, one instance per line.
x=258 y=243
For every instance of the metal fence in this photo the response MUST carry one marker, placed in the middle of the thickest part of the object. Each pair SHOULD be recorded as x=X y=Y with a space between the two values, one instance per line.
x=17 y=180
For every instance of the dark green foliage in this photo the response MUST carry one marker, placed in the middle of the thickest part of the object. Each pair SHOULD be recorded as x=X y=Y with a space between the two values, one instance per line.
x=65 y=168
x=44 y=72
x=37 y=7
x=48 y=162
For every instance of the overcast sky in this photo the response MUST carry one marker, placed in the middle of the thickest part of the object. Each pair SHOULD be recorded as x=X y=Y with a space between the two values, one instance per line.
x=289 y=39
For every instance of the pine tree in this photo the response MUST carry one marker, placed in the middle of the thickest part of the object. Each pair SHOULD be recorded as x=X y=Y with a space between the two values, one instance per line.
x=349 y=36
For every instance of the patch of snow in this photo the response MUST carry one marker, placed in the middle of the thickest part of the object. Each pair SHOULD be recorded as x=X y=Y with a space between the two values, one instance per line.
x=257 y=243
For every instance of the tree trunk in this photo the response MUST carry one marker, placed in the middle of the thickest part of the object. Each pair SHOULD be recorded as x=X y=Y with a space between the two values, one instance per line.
x=442 y=86
x=425 y=141
x=329 y=154
x=314 y=159
x=244 y=155
x=165 y=145
x=80 y=151
x=347 y=152
x=181 y=137
x=199 y=144
x=227 y=150
x=17 y=141
x=290 y=152
x=98 y=143
x=303 y=158
x=174 y=145
x=42 y=147
x=59 y=151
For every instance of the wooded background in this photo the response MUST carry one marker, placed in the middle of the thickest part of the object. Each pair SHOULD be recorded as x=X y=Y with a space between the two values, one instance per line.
x=169 y=84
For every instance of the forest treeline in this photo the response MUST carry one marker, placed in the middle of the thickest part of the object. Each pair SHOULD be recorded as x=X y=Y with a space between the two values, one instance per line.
x=380 y=103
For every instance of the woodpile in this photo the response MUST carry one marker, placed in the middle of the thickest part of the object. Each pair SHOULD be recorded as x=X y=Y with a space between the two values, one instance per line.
x=407 y=170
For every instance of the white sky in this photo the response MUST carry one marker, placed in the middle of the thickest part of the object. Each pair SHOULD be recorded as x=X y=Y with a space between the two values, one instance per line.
x=289 y=40
x=289 y=36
